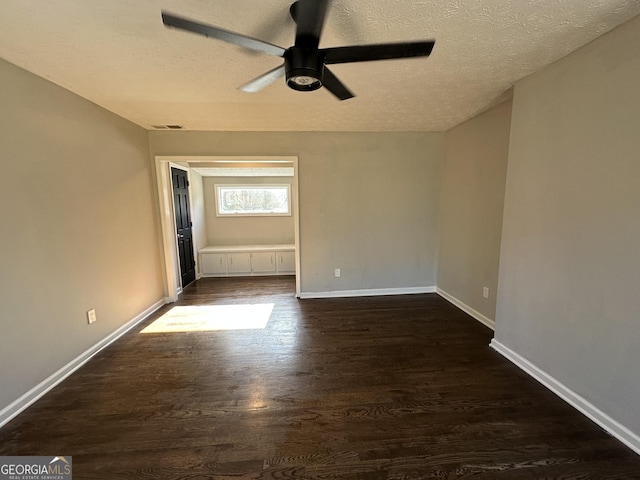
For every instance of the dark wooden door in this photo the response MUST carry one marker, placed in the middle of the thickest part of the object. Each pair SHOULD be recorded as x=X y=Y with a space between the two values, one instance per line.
x=183 y=225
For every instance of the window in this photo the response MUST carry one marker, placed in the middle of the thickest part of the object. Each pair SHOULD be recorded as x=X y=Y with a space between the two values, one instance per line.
x=253 y=200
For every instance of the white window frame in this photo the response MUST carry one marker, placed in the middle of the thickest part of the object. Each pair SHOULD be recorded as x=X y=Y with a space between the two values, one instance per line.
x=253 y=186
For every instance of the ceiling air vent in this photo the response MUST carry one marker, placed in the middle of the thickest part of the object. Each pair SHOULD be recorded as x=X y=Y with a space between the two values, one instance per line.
x=167 y=127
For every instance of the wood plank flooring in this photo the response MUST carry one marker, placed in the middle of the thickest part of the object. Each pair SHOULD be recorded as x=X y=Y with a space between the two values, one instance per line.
x=401 y=388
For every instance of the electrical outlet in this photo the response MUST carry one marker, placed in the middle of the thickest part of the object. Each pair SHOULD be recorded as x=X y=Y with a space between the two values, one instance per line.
x=336 y=272
x=91 y=316
x=485 y=292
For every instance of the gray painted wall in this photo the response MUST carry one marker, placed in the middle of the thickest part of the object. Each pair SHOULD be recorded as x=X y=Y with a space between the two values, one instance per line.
x=368 y=201
x=79 y=230
x=471 y=204
x=568 y=298
x=246 y=230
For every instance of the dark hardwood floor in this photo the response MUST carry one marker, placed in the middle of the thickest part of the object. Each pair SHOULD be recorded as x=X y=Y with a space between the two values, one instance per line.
x=401 y=387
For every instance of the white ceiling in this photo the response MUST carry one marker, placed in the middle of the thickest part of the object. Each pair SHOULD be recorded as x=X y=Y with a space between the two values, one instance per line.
x=118 y=54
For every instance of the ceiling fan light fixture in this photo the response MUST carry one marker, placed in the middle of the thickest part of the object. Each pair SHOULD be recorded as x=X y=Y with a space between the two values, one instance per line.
x=303 y=82
x=303 y=69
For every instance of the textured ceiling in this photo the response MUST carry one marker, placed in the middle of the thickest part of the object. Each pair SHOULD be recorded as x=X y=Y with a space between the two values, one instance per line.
x=118 y=54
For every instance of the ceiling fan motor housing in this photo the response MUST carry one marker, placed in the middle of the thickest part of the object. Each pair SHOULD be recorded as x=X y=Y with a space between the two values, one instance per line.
x=304 y=68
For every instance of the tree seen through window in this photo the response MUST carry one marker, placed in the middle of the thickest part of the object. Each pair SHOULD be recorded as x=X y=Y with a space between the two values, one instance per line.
x=253 y=200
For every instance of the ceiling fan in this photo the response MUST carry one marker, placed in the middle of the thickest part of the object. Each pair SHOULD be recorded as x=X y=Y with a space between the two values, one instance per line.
x=305 y=63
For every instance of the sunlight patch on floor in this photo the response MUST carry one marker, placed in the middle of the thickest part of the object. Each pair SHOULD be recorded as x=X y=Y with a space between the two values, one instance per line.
x=204 y=318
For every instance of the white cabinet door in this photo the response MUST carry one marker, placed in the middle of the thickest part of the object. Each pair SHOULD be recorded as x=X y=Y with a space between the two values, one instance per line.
x=239 y=262
x=247 y=261
x=213 y=263
x=263 y=262
x=286 y=262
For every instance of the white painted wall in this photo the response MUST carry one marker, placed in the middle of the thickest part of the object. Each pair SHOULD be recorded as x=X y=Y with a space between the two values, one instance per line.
x=368 y=201
x=471 y=204
x=569 y=289
x=78 y=228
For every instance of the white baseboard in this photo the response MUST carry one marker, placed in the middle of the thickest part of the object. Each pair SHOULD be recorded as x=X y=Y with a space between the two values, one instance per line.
x=372 y=292
x=616 y=429
x=467 y=309
x=26 y=400
x=241 y=275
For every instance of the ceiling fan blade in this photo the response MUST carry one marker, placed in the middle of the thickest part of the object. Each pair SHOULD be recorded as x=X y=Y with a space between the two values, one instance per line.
x=263 y=80
x=384 y=51
x=309 y=16
x=335 y=86
x=226 y=36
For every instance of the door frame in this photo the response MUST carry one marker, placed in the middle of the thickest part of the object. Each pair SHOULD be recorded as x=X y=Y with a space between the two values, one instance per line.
x=172 y=283
x=163 y=164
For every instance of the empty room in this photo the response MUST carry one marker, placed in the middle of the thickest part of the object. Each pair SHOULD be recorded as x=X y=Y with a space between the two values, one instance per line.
x=322 y=239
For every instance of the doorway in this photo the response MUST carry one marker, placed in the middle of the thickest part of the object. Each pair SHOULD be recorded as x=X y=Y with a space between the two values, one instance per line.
x=163 y=166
